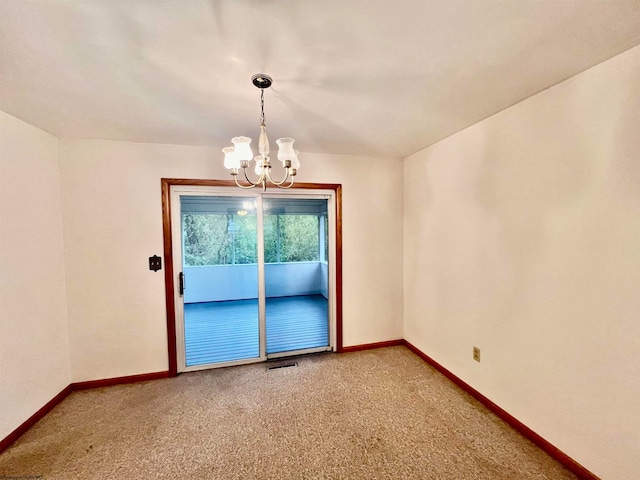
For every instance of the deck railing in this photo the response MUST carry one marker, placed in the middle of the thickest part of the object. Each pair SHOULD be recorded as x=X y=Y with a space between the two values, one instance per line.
x=213 y=283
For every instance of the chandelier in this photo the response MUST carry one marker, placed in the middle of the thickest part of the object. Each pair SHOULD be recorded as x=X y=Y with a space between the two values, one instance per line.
x=239 y=156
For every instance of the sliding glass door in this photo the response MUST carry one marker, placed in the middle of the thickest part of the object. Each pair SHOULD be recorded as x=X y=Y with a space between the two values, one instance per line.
x=254 y=276
x=220 y=279
x=296 y=274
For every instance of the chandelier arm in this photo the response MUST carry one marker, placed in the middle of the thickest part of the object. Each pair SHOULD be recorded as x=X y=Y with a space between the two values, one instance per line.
x=293 y=178
x=246 y=177
x=251 y=185
x=259 y=181
x=282 y=182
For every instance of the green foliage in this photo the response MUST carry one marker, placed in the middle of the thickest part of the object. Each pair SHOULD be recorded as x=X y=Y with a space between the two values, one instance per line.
x=246 y=250
x=231 y=239
x=298 y=238
x=206 y=239
x=270 y=238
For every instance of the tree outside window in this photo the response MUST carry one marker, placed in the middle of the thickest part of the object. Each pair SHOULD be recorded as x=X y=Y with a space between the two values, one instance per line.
x=230 y=239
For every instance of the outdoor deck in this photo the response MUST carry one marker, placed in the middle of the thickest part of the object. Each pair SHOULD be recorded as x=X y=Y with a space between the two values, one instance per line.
x=225 y=331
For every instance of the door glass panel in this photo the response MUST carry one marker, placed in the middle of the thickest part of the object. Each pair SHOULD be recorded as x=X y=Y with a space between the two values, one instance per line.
x=296 y=274
x=219 y=236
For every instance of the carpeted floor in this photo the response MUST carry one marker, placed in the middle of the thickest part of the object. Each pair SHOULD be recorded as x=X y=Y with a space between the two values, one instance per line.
x=377 y=414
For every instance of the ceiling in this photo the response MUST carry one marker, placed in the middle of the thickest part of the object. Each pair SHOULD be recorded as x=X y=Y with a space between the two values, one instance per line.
x=368 y=77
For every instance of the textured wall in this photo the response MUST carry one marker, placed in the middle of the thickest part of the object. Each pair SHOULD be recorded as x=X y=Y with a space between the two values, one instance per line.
x=112 y=220
x=34 y=348
x=522 y=237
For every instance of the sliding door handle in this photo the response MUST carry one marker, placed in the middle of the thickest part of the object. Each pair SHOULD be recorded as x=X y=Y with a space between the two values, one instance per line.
x=181 y=283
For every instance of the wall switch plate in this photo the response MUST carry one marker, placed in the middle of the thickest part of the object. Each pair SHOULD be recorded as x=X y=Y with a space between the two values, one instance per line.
x=476 y=354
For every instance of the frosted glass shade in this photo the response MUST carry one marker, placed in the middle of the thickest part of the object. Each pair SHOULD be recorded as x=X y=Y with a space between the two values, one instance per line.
x=242 y=148
x=230 y=159
x=285 y=149
x=295 y=163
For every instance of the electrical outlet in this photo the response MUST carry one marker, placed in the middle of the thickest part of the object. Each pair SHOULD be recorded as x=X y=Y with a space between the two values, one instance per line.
x=476 y=354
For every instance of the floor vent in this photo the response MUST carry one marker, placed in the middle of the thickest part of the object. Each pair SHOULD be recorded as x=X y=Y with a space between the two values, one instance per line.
x=283 y=365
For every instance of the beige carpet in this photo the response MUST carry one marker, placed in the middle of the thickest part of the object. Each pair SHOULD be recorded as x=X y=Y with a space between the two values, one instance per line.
x=375 y=414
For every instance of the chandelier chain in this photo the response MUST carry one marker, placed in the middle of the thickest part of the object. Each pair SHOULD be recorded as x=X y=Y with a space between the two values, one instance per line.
x=262 y=122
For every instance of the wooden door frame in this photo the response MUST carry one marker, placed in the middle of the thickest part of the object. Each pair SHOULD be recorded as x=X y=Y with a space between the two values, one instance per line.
x=169 y=276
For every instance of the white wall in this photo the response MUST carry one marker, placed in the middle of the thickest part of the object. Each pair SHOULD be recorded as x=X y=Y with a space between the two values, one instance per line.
x=372 y=241
x=522 y=237
x=34 y=347
x=113 y=223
